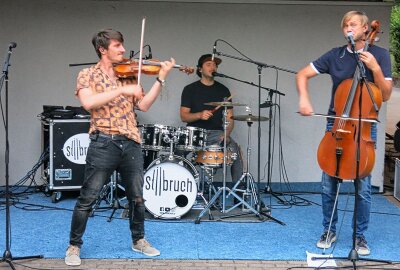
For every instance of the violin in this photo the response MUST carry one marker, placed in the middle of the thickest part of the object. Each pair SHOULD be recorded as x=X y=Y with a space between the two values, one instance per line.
x=130 y=68
x=338 y=150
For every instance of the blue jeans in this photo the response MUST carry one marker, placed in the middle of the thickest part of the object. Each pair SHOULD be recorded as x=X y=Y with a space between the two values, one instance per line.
x=329 y=189
x=104 y=156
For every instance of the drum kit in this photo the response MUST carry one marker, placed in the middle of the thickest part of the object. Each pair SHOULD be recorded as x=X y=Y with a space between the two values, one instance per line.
x=172 y=184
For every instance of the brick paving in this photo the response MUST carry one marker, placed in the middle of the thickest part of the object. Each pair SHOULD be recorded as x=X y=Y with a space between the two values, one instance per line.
x=151 y=264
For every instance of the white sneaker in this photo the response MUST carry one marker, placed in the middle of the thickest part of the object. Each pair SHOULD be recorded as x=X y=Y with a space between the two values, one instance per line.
x=72 y=257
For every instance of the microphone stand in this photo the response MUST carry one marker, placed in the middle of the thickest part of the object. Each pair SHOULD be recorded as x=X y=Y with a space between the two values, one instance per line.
x=260 y=66
x=7 y=256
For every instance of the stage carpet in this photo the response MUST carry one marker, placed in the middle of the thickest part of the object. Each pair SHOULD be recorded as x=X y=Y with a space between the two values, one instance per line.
x=39 y=226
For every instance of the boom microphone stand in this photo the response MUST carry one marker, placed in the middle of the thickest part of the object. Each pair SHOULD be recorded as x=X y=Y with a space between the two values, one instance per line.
x=260 y=66
x=7 y=257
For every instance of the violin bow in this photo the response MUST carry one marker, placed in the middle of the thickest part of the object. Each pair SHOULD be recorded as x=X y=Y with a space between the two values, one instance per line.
x=139 y=77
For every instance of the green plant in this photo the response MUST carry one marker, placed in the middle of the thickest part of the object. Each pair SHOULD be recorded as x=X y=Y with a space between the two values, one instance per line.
x=395 y=39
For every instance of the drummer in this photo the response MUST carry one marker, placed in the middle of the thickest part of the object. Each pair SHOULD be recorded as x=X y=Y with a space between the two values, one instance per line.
x=195 y=113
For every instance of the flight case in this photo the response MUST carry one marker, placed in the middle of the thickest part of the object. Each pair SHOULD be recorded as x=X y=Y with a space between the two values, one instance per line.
x=68 y=141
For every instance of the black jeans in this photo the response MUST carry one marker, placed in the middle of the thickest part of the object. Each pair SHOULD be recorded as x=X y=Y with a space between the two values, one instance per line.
x=104 y=156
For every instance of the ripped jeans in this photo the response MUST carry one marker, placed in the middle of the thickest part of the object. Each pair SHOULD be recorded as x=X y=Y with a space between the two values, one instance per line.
x=104 y=156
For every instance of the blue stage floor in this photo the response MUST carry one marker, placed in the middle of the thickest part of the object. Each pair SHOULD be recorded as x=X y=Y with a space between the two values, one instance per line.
x=42 y=227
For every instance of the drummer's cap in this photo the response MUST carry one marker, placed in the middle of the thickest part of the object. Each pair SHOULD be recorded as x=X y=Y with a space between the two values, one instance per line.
x=204 y=58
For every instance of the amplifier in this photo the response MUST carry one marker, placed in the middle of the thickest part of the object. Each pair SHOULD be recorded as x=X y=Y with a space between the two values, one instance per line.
x=68 y=141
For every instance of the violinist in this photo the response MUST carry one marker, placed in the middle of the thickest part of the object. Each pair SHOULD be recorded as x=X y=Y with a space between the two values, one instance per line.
x=114 y=139
x=340 y=63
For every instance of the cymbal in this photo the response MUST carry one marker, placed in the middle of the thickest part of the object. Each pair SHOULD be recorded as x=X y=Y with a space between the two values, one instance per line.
x=249 y=118
x=224 y=104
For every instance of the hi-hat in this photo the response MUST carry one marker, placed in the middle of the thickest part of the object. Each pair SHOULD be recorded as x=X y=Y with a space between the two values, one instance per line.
x=249 y=118
x=224 y=104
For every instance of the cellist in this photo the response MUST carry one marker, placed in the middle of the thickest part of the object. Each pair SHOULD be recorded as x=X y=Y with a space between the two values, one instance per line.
x=341 y=64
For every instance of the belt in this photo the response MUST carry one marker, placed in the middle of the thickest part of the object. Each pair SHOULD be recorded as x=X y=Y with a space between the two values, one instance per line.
x=113 y=137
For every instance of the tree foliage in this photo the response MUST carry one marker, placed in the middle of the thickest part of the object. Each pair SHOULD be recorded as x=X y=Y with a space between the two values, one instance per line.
x=395 y=39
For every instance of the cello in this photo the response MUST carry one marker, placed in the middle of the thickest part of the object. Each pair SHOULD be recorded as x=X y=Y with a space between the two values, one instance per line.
x=347 y=151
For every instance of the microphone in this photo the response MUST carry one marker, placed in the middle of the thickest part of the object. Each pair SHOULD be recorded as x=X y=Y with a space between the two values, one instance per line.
x=12 y=45
x=7 y=61
x=350 y=39
x=214 y=51
x=266 y=104
x=216 y=74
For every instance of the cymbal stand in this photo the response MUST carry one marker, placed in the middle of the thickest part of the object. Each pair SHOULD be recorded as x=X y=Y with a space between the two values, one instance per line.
x=247 y=177
x=251 y=189
x=222 y=191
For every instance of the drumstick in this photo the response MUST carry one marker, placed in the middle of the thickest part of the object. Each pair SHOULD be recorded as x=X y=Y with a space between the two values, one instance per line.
x=219 y=106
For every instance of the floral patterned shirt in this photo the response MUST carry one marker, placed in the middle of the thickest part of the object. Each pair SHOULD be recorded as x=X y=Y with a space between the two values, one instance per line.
x=115 y=117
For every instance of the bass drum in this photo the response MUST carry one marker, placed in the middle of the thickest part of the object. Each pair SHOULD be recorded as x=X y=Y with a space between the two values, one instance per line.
x=170 y=187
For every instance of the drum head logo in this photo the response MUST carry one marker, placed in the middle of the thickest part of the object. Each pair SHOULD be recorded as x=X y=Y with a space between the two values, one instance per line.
x=75 y=148
x=169 y=190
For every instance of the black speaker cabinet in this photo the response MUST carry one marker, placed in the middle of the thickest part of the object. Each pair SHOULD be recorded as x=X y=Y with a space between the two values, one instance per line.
x=68 y=141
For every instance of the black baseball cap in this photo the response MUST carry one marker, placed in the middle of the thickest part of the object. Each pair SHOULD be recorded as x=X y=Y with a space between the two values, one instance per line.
x=204 y=58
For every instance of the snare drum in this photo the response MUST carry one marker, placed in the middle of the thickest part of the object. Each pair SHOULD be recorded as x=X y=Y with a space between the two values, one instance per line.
x=191 y=138
x=170 y=187
x=153 y=136
x=213 y=156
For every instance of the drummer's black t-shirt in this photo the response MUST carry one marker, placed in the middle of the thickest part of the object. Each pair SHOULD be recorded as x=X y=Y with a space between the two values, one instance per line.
x=196 y=94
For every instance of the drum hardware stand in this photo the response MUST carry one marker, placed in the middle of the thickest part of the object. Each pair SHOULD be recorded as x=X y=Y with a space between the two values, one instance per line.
x=260 y=66
x=171 y=140
x=210 y=181
x=223 y=190
x=250 y=190
x=210 y=176
x=109 y=192
x=250 y=193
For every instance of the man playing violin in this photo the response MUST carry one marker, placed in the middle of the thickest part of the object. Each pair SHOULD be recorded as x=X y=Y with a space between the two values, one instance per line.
x=114 y=139
x=340 y=63
x=195 y=113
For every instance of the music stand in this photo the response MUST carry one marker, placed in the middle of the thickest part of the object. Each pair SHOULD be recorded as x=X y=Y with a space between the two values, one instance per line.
x=7 y=256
